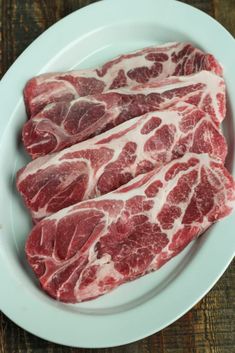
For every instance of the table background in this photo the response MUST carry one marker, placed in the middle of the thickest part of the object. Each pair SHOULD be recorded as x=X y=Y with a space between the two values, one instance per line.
x=210 y=326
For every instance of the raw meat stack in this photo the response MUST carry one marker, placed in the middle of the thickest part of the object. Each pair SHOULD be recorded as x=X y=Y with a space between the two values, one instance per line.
x=128 y=167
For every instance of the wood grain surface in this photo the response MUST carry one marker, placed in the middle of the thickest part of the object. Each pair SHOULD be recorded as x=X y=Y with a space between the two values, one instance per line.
x=210 y=326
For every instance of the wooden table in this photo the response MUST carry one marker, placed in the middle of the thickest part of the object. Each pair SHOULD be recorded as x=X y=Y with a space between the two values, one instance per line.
x=210 y=326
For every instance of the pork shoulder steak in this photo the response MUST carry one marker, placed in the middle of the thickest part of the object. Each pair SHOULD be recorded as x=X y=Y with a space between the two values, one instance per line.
x=107 y=161
x=171 y=59
x=63 y=124
x=88 y=249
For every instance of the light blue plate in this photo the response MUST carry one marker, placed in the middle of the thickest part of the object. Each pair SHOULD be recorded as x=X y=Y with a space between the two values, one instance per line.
x=87 y=38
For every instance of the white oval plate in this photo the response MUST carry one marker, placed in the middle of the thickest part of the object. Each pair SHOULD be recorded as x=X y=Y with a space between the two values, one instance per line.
x=87 y=38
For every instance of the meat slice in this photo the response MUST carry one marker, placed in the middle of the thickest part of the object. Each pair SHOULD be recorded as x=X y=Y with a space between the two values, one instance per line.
x=88 y=249
x=63 y=124
x=105 y=162
x=141 y=66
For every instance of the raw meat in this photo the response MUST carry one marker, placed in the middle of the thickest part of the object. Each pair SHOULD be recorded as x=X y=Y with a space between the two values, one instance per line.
x=171 y=59
x=63 y=124
x=105 y=162
x=88 y=249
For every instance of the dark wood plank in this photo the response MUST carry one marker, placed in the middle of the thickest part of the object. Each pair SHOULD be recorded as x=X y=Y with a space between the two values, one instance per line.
x=28 y=20
x=209 y=326
x=225 y=14
x=222 y=10
x=206 y=6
